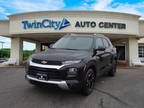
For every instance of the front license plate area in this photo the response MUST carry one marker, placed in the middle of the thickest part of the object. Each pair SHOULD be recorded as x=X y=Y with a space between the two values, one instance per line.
x=42 y=76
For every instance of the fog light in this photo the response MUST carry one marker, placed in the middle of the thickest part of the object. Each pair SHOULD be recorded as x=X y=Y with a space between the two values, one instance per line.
x=72 y=72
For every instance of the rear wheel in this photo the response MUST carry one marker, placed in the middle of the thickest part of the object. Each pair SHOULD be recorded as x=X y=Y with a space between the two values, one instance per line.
x=112 y=72
x=89 y=81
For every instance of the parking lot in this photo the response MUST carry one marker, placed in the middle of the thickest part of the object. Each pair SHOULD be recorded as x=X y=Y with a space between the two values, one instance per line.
x=126 y=90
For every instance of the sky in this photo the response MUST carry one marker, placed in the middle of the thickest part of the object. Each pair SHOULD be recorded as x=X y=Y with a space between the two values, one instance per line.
x=8 y=7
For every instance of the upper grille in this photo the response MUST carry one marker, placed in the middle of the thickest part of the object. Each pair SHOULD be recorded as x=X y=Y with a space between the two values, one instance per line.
x=48 y=62
x=51 y=73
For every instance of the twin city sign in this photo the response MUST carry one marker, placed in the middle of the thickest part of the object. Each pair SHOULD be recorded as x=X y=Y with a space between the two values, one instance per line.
x=58 y=25
x=46 y=23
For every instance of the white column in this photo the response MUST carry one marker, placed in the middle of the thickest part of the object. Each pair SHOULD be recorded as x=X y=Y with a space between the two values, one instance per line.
x=17 y=50
x=38 y=47
x=131 y=50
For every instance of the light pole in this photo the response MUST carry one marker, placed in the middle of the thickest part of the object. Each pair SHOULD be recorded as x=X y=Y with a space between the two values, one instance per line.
x=1 y=47
x=2 y=44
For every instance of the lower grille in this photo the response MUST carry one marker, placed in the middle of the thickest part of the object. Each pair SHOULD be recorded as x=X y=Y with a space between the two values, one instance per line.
x=51 y=73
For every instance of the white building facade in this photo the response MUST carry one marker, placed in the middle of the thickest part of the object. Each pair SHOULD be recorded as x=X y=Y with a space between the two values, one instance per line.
x=44 y=28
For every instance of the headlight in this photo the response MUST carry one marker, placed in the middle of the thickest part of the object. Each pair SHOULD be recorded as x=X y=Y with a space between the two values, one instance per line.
x=72 y=72
x=71 y=62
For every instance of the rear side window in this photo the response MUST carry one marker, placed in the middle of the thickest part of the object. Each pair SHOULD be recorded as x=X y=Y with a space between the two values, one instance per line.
x=106 y=43
x=98 y=43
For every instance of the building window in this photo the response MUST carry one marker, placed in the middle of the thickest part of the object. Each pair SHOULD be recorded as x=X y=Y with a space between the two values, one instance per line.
x=141 y=51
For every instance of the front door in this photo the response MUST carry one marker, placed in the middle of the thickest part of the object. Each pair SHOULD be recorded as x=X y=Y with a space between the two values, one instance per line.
x=100 y=56
x=108 y=54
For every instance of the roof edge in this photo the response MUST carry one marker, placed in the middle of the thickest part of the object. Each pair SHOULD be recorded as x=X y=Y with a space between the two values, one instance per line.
x=74 y=11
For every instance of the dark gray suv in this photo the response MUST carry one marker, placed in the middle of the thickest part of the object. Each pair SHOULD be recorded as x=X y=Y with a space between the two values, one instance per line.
x=73 y=62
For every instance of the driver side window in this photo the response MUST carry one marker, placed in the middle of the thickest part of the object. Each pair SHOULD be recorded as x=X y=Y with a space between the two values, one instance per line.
x=99 y=43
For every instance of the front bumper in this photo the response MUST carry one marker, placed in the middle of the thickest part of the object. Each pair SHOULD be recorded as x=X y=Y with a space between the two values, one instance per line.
x=69 y=84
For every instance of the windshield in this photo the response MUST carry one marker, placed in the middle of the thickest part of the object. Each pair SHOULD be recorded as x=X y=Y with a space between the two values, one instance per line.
x=74 y=43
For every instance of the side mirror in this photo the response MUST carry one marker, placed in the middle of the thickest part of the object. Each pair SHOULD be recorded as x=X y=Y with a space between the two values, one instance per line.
x=98 y=49
x=50 y=46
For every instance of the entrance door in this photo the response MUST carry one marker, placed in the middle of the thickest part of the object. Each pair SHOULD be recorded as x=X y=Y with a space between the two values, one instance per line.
x=120 y=52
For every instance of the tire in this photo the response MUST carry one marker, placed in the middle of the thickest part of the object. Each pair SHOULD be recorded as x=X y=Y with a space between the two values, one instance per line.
x=112 y=72
x=88 y=84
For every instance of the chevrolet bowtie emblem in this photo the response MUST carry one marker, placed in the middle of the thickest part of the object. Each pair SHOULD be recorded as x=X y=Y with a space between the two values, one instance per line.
x=44 y=62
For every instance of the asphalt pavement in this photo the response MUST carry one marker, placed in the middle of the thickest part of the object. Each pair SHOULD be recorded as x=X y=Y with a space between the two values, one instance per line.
x=125 y=90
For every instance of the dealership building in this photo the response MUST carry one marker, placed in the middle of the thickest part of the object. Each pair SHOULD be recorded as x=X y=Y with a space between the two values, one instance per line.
x=45 y=27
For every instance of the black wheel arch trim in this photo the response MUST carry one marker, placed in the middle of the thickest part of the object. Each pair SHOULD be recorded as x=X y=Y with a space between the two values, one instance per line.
x=92 y=64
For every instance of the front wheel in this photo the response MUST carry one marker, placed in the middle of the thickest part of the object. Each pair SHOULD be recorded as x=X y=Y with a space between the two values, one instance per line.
x=89 y=82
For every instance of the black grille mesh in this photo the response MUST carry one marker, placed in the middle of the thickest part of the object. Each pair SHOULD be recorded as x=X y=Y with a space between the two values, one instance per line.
x=51 y=73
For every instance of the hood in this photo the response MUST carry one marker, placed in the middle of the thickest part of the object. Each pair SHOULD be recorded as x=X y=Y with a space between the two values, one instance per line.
x=61 y=55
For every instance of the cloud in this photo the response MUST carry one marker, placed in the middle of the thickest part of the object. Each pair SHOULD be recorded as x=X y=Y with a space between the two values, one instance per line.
x=1 y=9
x=110 y=5
x=101 y=4
x=136 y=8
x=28 y=46
x=3 y=13
x=4 y=39
x=28 y=5
x=7 y=42
x=41 y=5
